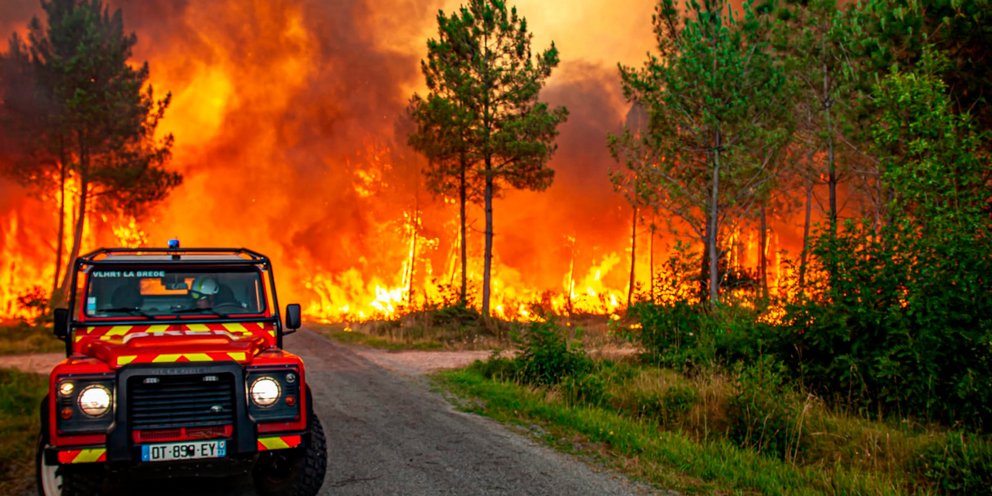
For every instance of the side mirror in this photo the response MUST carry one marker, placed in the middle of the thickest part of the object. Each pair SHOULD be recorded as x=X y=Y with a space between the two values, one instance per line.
x=61 y=327
x=293 y=318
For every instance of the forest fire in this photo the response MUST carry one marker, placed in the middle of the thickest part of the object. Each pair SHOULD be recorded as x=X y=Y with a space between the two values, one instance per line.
x=291 y=133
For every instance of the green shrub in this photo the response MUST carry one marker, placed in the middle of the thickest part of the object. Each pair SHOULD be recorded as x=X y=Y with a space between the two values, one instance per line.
x=676 y=402
x=671 y=333
x=587 y=389
x=546 y=357
x=638 y=403
x=20 y=395
x=498 y=368
x=457 y=315
x=892 y=333
x=762 y=416
x=739 y=336
x=960 y=464
x=687 y=337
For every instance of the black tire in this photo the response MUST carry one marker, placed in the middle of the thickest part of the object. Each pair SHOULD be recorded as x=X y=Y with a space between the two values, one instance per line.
x=64 y=480
x=295 y=472
x=67 y=480
x=82 y=480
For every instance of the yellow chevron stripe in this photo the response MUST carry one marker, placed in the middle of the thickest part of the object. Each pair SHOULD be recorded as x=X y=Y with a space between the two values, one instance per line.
x=198 y=327
x=158 y=328
x=236 y=327
x=125 y=359
x=89 y=455
x=198 y=357
x=237 y=355
x=273 y=443
x=167 y=357
x=118 y=330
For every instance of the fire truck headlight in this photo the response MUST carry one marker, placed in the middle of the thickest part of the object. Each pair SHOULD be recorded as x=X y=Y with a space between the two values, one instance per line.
x=66 y=388
x=265 y=391
x=94 y=400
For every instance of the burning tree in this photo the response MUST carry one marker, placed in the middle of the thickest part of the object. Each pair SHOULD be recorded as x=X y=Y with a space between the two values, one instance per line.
x=93 y=120
x=713 y=97
x=632 y=151
x=482 y=116
x=443 y=127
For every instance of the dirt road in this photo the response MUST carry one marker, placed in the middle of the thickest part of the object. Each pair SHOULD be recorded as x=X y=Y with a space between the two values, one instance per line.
x=388 y=433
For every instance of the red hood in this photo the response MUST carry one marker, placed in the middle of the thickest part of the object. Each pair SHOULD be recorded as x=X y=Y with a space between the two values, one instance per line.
x=164 y=342
x=173 y=348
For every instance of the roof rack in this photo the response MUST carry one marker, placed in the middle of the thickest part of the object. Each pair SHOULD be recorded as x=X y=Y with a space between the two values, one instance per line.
x=176 y=254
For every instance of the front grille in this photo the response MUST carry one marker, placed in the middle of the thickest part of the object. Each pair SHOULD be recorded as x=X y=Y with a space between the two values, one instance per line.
x=171 y=401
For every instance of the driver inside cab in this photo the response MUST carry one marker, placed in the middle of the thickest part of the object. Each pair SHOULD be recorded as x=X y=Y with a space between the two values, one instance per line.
x=203 y=291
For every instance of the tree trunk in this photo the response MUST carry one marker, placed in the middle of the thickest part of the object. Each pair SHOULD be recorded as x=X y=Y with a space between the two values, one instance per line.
x=831 y=159
x=651 y=260
x=413 y=254
x=633 y=257
x=462 y=199
x=77 y=236
x=806 y=224
x=704 y=269
x=571 y=277
x=487 y=125
x=713 y=220
x=56 y=298
x=488 y=256
x=762 y=256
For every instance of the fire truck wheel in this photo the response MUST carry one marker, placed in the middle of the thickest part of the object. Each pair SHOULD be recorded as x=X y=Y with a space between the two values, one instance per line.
x=64 y=480
x=47 y=477
x=296 y=472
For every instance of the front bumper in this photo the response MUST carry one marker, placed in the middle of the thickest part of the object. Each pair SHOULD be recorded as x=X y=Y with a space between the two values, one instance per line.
x=98 y=454
x=124 y=440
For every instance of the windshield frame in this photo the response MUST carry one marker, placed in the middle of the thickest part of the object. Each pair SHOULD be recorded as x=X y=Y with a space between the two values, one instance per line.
x=267 y=310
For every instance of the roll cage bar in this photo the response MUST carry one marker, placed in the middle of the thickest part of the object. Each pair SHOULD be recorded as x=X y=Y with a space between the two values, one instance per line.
x=244 y=255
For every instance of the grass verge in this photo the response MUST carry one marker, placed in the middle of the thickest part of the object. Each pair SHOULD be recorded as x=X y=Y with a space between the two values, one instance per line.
x=644 y=449
x=21 y=338
x=20 y=395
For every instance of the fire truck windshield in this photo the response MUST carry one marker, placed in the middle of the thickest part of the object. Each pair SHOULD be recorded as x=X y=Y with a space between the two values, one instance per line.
x=152 y=292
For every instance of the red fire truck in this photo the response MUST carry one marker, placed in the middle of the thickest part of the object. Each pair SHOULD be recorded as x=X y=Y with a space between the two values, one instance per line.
x=175 y=368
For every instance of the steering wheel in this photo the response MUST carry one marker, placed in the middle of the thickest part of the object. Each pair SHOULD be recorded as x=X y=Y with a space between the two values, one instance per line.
x=229 y=307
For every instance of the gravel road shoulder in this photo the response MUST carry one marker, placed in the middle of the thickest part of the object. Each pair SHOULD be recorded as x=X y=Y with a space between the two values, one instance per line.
x=34 y=363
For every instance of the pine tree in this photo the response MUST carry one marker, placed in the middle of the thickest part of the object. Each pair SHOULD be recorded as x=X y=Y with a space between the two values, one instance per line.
x=483 y=109
x=714 y=97
x=97 y=115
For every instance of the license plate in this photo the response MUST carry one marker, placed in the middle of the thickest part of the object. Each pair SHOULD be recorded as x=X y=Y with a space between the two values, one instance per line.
x=183 y=451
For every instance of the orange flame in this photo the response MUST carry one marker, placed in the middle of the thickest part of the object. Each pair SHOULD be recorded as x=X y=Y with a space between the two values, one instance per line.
x=290 y=132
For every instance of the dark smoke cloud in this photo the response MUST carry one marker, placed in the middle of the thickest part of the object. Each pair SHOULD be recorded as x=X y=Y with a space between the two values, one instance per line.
x=14 y=16
x=581 y=203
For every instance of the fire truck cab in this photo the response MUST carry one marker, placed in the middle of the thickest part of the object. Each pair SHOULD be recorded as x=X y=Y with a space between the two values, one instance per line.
x=174 y=368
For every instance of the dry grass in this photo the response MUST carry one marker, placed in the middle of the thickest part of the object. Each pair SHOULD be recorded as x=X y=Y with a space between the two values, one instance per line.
x=823 y=438
x=17 y=338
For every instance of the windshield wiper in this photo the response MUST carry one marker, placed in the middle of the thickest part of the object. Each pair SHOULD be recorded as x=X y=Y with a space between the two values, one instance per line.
x=201 y=310
x=130 y=310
